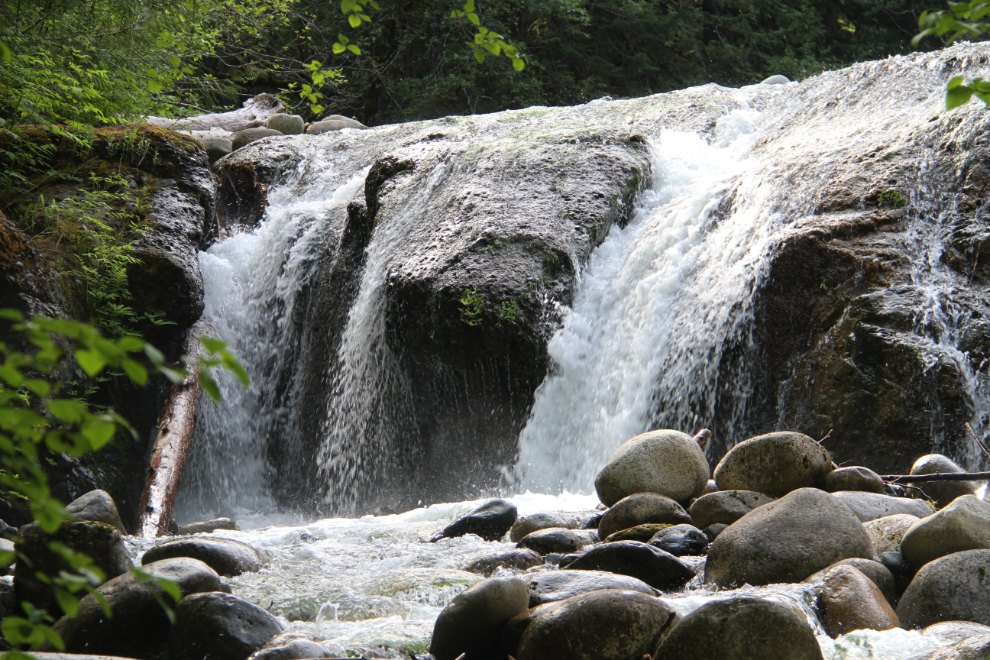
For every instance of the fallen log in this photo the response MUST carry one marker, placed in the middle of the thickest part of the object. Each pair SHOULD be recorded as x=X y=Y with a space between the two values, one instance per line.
x=935 y=476
x=168 y=458
x=254 y=113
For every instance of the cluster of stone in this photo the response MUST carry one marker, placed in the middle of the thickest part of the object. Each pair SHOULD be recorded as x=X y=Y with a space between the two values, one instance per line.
x=597 y=585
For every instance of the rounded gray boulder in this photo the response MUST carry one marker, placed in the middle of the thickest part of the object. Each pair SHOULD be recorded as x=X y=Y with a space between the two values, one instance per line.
x=519 y=559
x=471 y=623
x=853 y=478
x=490 y=521
x=285 y=124
x=879 y=574
x=216 y=147
x=786 y=541
x=537 y=521
x=249 y=135
x=870 y=506
x=555 y=539
x=773 y=464
x=553 y=586
x=329 y=125
x=98 y=506
x=962 y=525
x=655 y=567
x=953 y=588
x=218 y=626
x=602 y=625
x=207 y=526
x=943 y=492
x=666 y=462
x=741 y=629
x=226 y=556
x=640 y=509
x=886 y=533
x=725 y=506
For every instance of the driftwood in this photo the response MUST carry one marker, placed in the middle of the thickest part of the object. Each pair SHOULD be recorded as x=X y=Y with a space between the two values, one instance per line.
x=255 y=112
x=175 y=432
x=935 y=476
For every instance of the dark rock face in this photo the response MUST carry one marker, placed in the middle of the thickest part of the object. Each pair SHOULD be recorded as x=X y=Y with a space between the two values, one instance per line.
x=490 y=521
x=218 y=626
x=226 y=556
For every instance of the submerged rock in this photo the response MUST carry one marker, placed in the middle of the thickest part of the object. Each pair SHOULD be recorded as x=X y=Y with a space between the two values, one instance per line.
x=513 y=559
x=657 y=568
x=669 y=463
x=640 y=509
x=471 y=623
x=490 y=521
x=741 y=629
x=642 y=533
x=602 y=625
x=786 y=541
x=773 y=464
x=538 y=521
x=226 y=556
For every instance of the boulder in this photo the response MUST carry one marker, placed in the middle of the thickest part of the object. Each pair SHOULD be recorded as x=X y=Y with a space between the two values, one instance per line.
x=285 y=124
x=953 y=588
x=216 y=147
x=886 y=532
x=786 y=541
x=207 y=526
x=879 y=574
x=353 y=123
x=659 y=569
x=537 y=521
x=681 y=540
x=870 y=506
x=603 y=625
x=853 y=478
x=741 y=629
x=554 y=586
x=666 y=462
x=97 y=506
x=249 y=135
x=471 y=623
x=943 y=492
x=962 y=525
x=226 y=556
x=725 y=506
x=490 y=521
x=297 y=645
x=773 y=464
x=328 y=125
x=139 y=626
x=641 y=533
x=218 y=626
x=514 y=628
x=639 y=509
x=899 y=567
x=519 y=560
x=99 y=541
x=556 y=540
x=851 y=601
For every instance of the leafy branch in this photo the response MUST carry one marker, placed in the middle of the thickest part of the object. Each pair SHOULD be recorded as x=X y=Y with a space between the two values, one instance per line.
x=962 y=19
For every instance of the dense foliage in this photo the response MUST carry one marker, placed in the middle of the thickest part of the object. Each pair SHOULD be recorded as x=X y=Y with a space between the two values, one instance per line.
x=104 y=61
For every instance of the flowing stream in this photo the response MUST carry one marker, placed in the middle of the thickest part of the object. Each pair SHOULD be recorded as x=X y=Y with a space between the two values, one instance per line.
x=640 y=347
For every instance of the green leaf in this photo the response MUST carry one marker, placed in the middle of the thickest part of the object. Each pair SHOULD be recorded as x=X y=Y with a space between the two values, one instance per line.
x=155 y=86
x=135 y=372
x=518 y=64
x=479 y=55
x=5 y=55
x=91 y=361
x=354 y=20
x=67 y=602
x=365 y=18
x=153 y=354
x=67 y=410
x=474 y=18
x=347 y=6
x=174 y=61
x=354 y=49
x=38 y=386
x=338 y=49
x=318 y=78
x=11 y=375
x=11 y=315
x=231 y=363
x=210 y=386
x=99 y=433
x=469 y=5
x=957 y=96
x=174 y=375
x=130 y=344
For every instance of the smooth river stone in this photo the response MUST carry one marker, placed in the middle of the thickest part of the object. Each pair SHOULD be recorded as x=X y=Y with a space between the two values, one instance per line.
x=666 y=462
x=773 y=464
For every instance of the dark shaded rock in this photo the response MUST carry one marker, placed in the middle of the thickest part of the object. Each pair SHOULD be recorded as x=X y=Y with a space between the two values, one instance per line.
x=853 y=478
x=7 y=531
x=899 y=567
x=139 y=627
x=773 y=464
x=953 y=588
x=786 y=541
x=226 y=556
x=603 y=625
x=879 y=574
x=554 y=586
x=870 y=506
x=216 y=147
x=514 y=628
x=851 y=601
x=8 y=602
x=538 y=521
x=248 y=135
x=490 y=521
x=514 y=559
x=669 y=463
x=659 y=569
x=943 y=492
x=962 y=525
x=741 y=629
x=100 y=542
x=471 y=623
x=640 y=509
x=681 y=540
x=218 y=626
x=641 y=533
x=555 y=540
x=725 y=506
x=97 y=506
x=712 y=531
x=206 y=526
